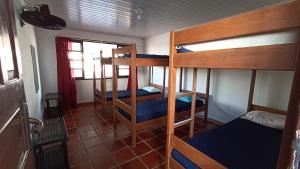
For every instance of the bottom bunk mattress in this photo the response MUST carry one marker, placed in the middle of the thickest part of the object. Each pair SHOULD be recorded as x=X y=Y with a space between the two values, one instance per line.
x=153 y=109
x=239 y=144
x=124 y=94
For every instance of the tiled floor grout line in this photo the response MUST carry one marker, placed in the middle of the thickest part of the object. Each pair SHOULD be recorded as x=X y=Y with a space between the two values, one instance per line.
x=153 y=150
x=89 y=159
x=88 y=121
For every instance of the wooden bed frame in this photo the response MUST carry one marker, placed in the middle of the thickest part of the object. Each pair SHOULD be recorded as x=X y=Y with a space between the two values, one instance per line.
x=283 y=57
x=118 y=104
x=107 y=103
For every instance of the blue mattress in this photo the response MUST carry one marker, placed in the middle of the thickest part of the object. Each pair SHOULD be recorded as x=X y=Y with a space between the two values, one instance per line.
x=239 y=144
x=183 y=50
x=157 y=108
x=146 y=56
x=123 y=94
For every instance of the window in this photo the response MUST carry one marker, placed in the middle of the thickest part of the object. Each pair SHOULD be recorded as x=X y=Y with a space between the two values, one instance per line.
x=123 y=71
x=85 y=55
x=76 y=59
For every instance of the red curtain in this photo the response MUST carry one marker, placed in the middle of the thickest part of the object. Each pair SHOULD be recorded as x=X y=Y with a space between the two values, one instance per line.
x=65 y=80
x=129 y=80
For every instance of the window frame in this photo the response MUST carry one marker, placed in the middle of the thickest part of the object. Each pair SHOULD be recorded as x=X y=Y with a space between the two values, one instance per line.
x=82 y=58
x=122 y=76
x=118 y=69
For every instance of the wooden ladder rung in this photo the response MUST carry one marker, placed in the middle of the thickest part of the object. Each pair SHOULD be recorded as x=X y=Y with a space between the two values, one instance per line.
x=123 y=106
x=183 y=122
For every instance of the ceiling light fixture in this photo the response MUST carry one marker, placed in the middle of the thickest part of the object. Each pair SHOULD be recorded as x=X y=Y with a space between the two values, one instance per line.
x=139 y=13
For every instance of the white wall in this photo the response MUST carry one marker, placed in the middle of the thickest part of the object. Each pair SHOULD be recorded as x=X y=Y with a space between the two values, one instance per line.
x=26 y=37
x=229 y=89
x=47 y=54
x=160 y=45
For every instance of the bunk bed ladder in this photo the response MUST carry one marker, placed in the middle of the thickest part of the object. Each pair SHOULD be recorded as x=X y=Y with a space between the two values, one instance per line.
x=171 y=103
x=117 y=103
x=94 y=85
x=134 y=86
x=207 y=95
x=114 y=87
x=191 y=119
x=103 y=82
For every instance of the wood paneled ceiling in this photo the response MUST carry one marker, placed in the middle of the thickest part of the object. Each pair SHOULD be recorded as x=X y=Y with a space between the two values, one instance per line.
x=158 y=16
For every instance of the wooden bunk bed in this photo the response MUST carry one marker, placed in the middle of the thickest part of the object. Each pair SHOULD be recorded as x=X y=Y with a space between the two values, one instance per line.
x=104 y=97
x=280 y=57
x=143 y=115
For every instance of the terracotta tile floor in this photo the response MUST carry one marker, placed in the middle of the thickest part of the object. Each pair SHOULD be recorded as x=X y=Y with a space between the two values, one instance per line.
x=94 y=145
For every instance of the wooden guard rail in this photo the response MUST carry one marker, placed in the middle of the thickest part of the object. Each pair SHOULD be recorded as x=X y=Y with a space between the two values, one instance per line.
x=271 y=57
x=197 y=157
x=202 y=95
x=122 y=105
x=183 y=122
x=123 y=50
x=270 y=19
x=184 y=94
x=267 y=109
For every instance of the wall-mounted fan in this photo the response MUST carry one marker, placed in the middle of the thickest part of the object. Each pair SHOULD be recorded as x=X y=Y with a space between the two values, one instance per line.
x=40 y=16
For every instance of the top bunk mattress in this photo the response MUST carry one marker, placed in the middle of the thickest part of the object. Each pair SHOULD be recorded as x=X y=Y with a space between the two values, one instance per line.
x=239 y=144
x=124 y=94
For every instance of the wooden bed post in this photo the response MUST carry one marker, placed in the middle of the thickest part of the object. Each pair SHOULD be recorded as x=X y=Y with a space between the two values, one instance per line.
x=102 y=81
x=207 y=95
x=251 y=91
x=285 y=159
x=164 y=82
x=94 y=84
x=180 y=80
x=115 y=89
x=171 y=100
x=193 y=108
x=149 y=82
x=133 y=93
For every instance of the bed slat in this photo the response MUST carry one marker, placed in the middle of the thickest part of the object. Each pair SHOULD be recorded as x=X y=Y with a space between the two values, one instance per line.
x=202 y=95
x=270 y=19
x=106 y=61
x=123 y=61
x=268 y=109
x=183 y=122
x=143 y=62
x=184 y=94
x=152 y=62
x=154 y=122
x=123 y=106
x=123 y=119
x=271 y=57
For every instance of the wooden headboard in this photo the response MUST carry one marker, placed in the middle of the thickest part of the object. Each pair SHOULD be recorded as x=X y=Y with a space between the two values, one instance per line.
x=267 y=109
